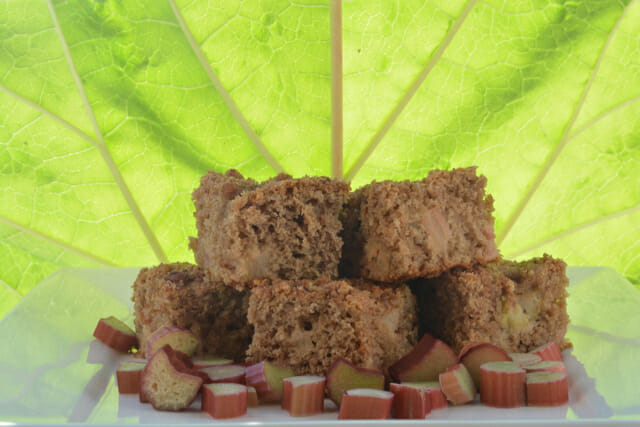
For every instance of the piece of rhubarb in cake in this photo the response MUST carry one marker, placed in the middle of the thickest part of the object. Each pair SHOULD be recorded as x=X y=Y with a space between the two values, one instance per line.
x=517 y=306
x=307 y=325
x=180 y=295
x=282 y=228
x=395 y=231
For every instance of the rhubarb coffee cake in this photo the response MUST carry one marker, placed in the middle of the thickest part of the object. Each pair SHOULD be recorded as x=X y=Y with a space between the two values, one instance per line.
x=282 y=228
x=307 y=324
x=395 y=231
x=515 y=305
x=180 y=295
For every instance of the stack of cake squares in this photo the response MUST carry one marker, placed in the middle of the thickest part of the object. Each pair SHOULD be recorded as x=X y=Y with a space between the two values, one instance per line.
x=302 y=271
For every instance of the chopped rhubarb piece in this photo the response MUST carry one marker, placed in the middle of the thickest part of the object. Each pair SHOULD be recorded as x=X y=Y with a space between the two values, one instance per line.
x=458 y=385
x=206 y=361
x=252 y=397
x=267 y=378
x=475 y=354
x=128 y=377
x=116 y=334
x=410 y=401
x=502 y=385
x=434 y=392
x=165 y=387
x=424 y=362
x=225 y=374
x=224 y=400
x=547 y=388
x=344 y=375
x=549 y=351
x=525 y=359
x=547 y=365
x=365 y=403
x=437 y=397
x=303 y=395
x=178 y=338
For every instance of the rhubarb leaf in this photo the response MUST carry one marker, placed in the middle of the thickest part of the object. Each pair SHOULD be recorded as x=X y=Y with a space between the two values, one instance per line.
x=110 y=112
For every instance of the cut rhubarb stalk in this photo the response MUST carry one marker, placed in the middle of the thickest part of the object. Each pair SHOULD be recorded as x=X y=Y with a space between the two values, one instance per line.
x=267 y=378
x=434 y=392
x=178 y=338
x=475 y=354
x=502 y=385
x=428 y=359
x=547 y=389
x=525 y=359
x=458 y=385
x=225 y=374
x=224 y=400
x=547 y=365
x=409 y=401
x=344 y=375
x=549 y=351
x=128 y=377
x=252 y=397
x=165 y=387
x=365 y=403
x=116 y=334
x=303 y=395
x=206 y=361
x=437 y=397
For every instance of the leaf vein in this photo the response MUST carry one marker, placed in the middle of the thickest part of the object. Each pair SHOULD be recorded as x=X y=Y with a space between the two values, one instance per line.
x=102 y=147
x=224 y=94
x=574 y=230
x=56 y=242
x=413 y=89
x=564 y=140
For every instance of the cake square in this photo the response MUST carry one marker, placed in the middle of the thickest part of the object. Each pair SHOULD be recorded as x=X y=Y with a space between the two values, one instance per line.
x=307 y=325
x=180 y=295
x=515 y=305
x=396 y=231
x=282 y=228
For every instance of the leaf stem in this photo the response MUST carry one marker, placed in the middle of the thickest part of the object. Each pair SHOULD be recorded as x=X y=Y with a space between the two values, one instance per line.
x=336 y=89
x=102 y=147
x=395 y=113
x=566 y=137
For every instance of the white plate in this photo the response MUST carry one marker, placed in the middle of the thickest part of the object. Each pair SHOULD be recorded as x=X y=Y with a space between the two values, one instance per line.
x=52 y=371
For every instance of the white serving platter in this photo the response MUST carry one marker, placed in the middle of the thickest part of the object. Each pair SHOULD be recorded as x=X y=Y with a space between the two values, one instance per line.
x=52 y=371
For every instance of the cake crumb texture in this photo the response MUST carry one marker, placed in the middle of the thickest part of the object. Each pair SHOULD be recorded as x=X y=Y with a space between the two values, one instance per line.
x=282 y=228
x=180 y=295
x=308 y=324
x=395 y=231
x=515 y=305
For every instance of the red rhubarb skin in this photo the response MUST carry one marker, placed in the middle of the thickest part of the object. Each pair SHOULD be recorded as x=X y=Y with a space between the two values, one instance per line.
x=112 y=337
x=364 y=408
x=549 y=351
x=408 y=367
x=409 y=402
x=437 y=398
x=453 y=389
x=304 y=399
x=129 y=381
x=222 y=406
x=502 y=389
x=211 y=370
x=552 y=393
x=553 y=366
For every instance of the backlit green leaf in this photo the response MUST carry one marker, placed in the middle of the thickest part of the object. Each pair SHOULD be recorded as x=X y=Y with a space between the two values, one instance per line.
x=111 y=111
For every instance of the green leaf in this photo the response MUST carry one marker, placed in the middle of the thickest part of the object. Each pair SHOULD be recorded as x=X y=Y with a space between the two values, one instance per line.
x=111 y=111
